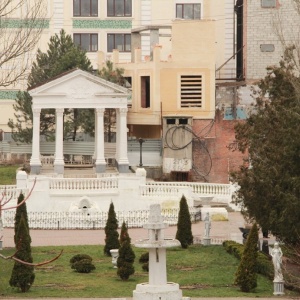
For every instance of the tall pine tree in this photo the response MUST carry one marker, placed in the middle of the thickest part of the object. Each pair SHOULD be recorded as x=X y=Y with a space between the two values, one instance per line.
x=269 y=185
x=62 y=55
x=184 y=225
x=22 y=275
x=111 y=231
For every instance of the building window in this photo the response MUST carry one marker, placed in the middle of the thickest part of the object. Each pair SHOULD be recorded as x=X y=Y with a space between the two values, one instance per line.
x=145 y=91
x=119 y=41
x=85 y=8
x=188 y=11
x=268 y=3
x=191 y=91
x=119 y=8
x=87 y=41
x=267 y=48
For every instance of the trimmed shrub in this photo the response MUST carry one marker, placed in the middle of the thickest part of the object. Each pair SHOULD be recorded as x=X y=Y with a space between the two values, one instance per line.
x=83 y=266
x=264 y=265
x=184 y=225
x=144 y=260
x=79 y=257
x=246 y=277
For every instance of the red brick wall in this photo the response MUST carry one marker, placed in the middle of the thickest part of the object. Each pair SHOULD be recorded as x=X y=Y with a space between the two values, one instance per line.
x=211 y=155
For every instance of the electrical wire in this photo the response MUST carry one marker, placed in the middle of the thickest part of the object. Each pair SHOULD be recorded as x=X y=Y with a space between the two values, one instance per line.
x=170 y=142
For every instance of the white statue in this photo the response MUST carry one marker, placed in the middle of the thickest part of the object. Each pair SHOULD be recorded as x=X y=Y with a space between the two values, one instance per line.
x=207 y=225
x=276 y=254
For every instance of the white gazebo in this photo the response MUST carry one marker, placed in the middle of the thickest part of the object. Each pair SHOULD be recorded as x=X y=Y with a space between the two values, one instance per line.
x=80 y=89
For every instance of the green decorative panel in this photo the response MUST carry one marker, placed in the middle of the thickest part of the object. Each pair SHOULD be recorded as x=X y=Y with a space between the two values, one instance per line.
x=112 y=24
x=8 y=94
x=19 y=23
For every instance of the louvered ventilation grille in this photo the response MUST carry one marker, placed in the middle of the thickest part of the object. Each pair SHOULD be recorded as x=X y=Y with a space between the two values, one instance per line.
x=191 y=91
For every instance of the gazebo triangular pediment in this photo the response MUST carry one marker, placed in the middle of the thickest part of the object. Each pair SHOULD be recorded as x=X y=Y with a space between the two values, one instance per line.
x=79 y=89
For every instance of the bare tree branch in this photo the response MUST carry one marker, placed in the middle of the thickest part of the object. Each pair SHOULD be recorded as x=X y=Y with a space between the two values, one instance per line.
x=13 y=257
x=19 y=36
x=25 y=199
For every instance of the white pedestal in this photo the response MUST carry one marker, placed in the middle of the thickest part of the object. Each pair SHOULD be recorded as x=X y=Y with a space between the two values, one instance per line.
x=278 y=288
x=114 y=257
x=169 y=291
x=206 y=241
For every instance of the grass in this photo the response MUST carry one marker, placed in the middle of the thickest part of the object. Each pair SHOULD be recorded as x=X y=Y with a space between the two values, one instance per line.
x=8 y=174
x=200 y=271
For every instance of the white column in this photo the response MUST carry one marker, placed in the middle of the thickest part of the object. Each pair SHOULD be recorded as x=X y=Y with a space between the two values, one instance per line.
x=99 y=132
x=117 y=134
x=59 y=151
x=35 y=161
x=95 y=139
x=123 y=162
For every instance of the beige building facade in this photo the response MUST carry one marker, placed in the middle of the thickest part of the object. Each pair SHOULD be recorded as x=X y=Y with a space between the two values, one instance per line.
x=102 y=26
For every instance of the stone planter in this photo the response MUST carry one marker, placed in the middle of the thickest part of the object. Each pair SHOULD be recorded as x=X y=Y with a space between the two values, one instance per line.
x=114 y=256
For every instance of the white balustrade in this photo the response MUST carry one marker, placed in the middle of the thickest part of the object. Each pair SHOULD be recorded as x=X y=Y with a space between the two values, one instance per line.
x=9 y=191
x=197 y=187
x=83 y=183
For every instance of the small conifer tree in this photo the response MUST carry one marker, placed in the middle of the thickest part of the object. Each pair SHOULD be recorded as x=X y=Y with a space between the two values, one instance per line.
x=126 y=255
x=124 y=234
x=246 y=277
x=184 y=226
x=111 y=231
x=22 y=275
x=22 y=209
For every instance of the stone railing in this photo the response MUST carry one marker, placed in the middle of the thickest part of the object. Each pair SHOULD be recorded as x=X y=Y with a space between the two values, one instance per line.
x=66 y=184
x=9 y=191
x=197 y=187
x=84 y=220
x=162 y=191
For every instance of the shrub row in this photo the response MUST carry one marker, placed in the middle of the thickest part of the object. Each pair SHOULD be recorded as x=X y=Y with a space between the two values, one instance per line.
x=264 y=265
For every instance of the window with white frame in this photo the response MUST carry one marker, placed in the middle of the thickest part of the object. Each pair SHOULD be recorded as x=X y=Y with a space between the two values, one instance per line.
x=190 y=91
x=85 y=8
x=119 y=8
x=119 y=41
x=189 y=11
x=86 y=41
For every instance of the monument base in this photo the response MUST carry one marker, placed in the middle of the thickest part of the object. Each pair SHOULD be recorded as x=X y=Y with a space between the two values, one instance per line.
x=278 y=288
x=206 y=241
x=146 y=291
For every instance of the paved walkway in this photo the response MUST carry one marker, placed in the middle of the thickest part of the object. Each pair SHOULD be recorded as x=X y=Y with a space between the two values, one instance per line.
x=220 y=230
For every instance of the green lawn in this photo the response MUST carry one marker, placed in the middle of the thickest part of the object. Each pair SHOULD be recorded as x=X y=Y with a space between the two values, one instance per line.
x=8 y=174
x=200 y=271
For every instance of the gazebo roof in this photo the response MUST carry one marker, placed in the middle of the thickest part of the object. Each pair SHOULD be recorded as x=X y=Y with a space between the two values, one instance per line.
x=79 y=89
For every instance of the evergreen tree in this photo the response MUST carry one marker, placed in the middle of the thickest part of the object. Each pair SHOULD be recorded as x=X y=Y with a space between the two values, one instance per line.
x=20 y=211
x=184 y=225
x=269 y=183
x=246 y=277
x=111 y=231
x=126 y=255
x=22 y=275
x=124 y=234
x=62 y=55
